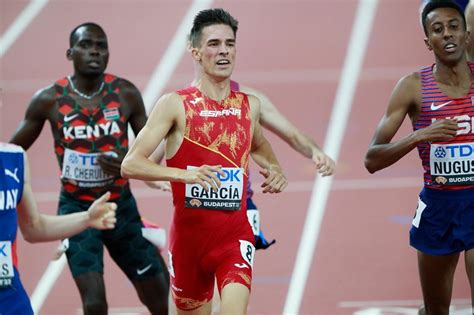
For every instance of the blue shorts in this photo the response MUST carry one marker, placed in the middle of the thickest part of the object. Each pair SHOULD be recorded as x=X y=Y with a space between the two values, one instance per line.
x=444 y=222
x=14 y=300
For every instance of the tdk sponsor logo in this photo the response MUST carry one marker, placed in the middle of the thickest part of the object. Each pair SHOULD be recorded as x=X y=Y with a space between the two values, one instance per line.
x=231 y=175
x=87 y=158
x=83 y=159
x=454 y=150
x=440 y=153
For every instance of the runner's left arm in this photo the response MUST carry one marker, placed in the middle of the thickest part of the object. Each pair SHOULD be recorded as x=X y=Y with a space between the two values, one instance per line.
x=272 y=119
x=263 y=155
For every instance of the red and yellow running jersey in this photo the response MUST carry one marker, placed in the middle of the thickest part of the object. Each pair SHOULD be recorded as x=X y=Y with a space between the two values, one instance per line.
x=447 y=165
x=85 y=133
x=216 y=133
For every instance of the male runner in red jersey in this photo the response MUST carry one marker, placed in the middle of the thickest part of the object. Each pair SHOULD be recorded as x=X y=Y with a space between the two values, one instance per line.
x=439 y=101
x=272 y=119
x=89 y=113
x=210 y=131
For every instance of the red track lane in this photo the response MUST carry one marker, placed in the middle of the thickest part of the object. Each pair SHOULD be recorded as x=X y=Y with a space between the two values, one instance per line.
x=9 y=10
x=293 y=51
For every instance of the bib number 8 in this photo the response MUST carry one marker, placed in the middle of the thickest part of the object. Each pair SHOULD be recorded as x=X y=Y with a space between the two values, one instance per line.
x=248 y=251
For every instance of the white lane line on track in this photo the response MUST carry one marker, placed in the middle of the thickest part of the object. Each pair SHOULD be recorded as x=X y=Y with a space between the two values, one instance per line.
x=172 y=56
x=387 y=303
x=20 y=24
x=402 y=307
x=158 y=81
x=45 y=284
x=170 y=59
x=353 y=62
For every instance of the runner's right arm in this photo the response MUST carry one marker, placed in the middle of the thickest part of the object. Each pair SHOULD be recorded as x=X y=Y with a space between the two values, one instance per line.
x=165 y=116
x=404 y=101
x=36 y=115
x=157 y=156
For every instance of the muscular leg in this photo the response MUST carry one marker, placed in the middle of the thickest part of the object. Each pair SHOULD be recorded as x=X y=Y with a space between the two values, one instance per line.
x=92 y=289
x=164 y=267
x=153 y=293
x=436 y=276
x=138 y=258
x=234 y=299
x=469 y=262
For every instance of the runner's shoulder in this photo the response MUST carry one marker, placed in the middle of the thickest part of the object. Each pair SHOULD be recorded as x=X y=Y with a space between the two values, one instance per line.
x=44 y=99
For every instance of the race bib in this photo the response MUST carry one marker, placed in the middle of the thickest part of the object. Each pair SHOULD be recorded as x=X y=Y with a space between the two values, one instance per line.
x=247 y=250
x=452 y=164
x=6 y=264
x=227 y=197
x=83 y=169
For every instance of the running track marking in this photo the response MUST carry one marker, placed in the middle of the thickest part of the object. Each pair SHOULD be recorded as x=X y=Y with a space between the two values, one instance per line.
x=48 y=279
x=402 y=307
x=361 y=30
x=172 y=55
x=453 y=310
x=20 y=24
x=385 y=303
x=159 y=79
x=170 y=59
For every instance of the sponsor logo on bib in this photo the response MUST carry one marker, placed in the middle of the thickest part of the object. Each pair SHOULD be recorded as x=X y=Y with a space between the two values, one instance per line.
x=452 y=164
x=227 y=197
x=83 y=169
